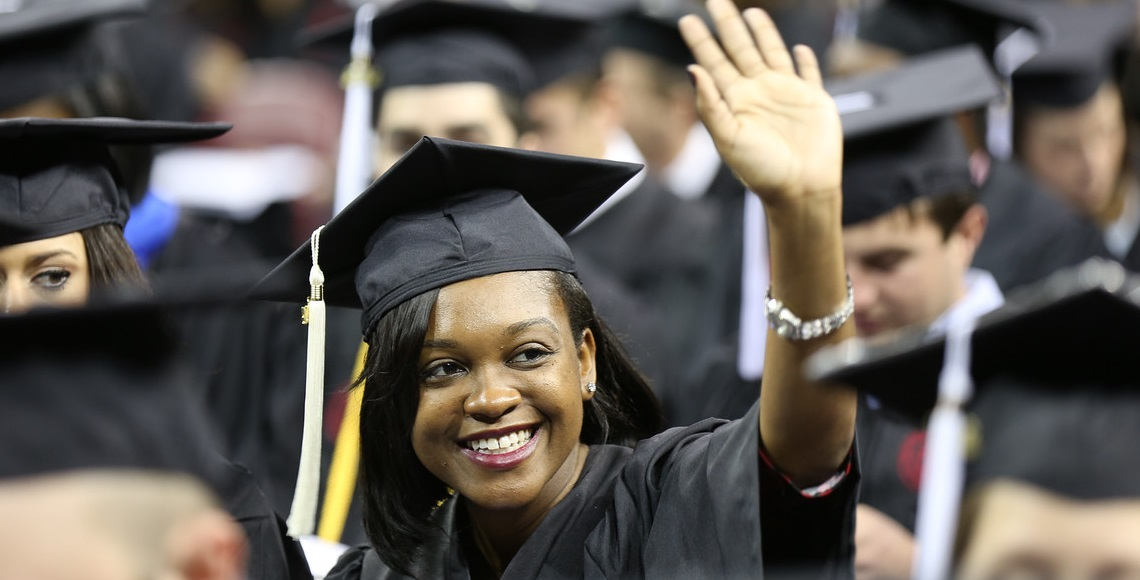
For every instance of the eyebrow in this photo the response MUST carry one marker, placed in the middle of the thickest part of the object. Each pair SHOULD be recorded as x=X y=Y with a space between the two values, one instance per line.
x=41 y=258
x=439 y=343
x=518 y=327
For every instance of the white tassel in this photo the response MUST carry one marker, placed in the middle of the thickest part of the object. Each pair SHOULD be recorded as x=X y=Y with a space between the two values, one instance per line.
x=354 y=166
x=303 y=513
x=943 y=464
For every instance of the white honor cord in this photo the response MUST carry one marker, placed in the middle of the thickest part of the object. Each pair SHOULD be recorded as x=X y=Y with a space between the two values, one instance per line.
x=943 y=464
x=303 y=512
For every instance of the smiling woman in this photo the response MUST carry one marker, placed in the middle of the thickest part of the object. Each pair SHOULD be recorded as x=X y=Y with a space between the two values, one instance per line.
x=66 y=203
x=503 y=432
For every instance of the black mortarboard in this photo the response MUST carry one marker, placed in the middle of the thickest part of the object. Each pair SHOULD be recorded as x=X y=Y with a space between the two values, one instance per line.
x=449 y=211
x=1078 y=327
x=49 y=46
x=454 y=55
x=99 y=389
x=1087 y=46
x=58 y=176
x=652 y=29
x=900 y=141
x=916 y=27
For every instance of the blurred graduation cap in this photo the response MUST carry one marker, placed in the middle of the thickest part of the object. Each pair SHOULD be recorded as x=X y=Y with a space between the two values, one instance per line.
x=1087 y=47
x=49 y=46
x=1045 y=373
x=58 y=175
x=447 y=211
x=651 y=29
x=901 y=143
x=918 y=27
x=99 y=388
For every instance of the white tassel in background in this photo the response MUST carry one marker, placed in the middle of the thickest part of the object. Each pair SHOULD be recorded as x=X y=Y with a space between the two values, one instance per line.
x=303 y=513
x=354 y=163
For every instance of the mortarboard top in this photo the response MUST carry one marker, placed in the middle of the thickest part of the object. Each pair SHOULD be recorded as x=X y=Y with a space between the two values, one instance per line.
x=915 y=27
x=652 y=29
x=1056 y=387
x=1086 y=48
x=58 y=175
x=425 y=42
x=901 y=143
x=1078 y=327
x=47 y=46
x=449 y=211
x=99 y=388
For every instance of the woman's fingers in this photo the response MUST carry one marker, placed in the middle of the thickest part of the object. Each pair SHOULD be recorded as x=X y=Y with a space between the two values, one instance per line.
x=769 y=41
x=736 y=38
x=808 y=66
x=707 y=52
x=718 y=118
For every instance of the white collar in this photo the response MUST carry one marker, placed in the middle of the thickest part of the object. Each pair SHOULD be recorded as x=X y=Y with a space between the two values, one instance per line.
x=619 y=147
x=982 y=296
x=1120 y=234
x=693 y=170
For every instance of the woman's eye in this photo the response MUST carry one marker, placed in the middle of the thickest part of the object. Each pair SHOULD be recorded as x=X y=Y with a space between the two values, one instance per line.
x=530 y=355
x=52 y=279
x=443 y=369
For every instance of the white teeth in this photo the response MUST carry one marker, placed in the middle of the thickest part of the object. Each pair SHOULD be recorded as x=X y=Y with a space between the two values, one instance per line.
x=504 y=444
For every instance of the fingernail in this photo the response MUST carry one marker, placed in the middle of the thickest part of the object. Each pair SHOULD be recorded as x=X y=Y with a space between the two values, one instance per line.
x=692 y=78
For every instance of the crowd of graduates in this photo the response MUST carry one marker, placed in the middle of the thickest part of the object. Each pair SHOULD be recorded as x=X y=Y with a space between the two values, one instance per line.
x=569 y=288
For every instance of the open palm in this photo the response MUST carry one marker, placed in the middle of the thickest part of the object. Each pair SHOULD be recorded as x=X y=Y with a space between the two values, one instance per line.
x=778 y=130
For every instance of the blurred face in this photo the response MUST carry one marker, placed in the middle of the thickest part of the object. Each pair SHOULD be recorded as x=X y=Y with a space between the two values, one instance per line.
x=463 y=111
x=51 y=272
x=566 y=121
x=502 y=394
x=643 y=109
x=1078 y=152
x=1021 y=531
x=902 y=271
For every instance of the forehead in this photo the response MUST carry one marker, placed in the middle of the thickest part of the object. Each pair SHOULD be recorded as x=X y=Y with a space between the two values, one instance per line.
x=1105 y=105
x=491 y=302
x=443 y=104
x=901 y=226
x=72 y=242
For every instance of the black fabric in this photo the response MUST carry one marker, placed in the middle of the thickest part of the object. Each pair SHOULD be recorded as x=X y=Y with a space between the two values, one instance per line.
x=692 y=502
x=273 y=555
x=58 y=176
x=1030 y=233
x=651 y=244
x=917 y=27
x=1086 y=48
x=454 y=56
x=890 y=455
x=445 y=212
x=652 y=30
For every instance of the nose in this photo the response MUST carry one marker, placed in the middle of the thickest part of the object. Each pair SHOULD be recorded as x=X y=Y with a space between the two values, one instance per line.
x=13 y=301
x=864 y=290
x=492 y=398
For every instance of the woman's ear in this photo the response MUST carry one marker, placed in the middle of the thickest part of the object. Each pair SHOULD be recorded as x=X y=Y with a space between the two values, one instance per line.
x=587 y=363
x=209 y=546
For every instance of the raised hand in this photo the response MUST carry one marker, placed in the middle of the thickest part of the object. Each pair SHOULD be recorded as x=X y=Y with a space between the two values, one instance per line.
x=778 y=130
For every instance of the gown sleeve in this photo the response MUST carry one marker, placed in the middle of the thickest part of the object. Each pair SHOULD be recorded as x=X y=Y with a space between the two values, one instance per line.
x=700 y=501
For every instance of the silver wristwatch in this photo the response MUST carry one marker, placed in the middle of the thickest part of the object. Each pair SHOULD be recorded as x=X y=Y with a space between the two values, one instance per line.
x=789 y=326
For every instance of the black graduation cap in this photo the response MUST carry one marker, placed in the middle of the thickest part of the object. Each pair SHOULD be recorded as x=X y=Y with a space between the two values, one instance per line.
x=49 y=46
x=99 y=388
x=901 y=143
x=916 y=27
x=1087 y=46
x=447 y=41
x=1078 y=327
x=58 y=176
x=652 y=29
x=445 y=212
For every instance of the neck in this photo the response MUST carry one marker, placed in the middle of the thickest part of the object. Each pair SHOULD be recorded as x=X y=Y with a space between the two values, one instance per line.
x=660 y=154
x=499 y=533
x=1115 y=206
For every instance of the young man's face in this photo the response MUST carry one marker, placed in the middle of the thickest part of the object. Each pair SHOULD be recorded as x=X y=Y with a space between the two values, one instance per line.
x=472 y=112
x=1078 y=152
x=903 y=270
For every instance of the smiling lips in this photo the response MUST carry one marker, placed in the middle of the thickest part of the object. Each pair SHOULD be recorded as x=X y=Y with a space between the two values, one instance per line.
x=502 y=452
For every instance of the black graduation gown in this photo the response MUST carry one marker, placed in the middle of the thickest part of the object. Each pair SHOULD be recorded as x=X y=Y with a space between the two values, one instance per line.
x=692 y=502
x=1030 y=234
x=890 y=455
x=642 y=265
x=708 y=383
x=273 y=555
